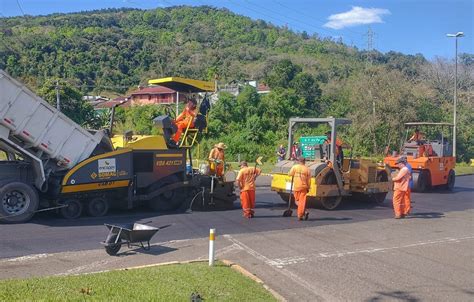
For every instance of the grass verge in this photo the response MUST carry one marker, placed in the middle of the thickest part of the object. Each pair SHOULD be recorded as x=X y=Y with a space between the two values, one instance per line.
x=160 y=283
x=463 y=169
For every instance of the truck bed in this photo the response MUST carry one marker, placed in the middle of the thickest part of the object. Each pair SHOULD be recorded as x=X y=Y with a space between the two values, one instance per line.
x=35 y=125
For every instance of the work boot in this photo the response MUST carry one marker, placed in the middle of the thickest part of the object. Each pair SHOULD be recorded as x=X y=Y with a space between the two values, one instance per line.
x=300 y=218
x=306 y=216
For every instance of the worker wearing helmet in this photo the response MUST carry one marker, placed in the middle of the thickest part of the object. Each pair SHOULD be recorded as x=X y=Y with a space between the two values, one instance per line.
x=301 y=184
x=216 y=159
x=401 y=183
x=185 y=119
x=246 y=182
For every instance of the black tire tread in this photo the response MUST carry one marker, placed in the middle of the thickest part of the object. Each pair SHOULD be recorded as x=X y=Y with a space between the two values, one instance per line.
x=33 y=207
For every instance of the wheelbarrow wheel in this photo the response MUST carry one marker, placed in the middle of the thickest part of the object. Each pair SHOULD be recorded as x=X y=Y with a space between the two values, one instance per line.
x=113 y=248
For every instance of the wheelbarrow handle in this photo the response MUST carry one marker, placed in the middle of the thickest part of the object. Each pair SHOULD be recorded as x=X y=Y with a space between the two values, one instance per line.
x=165 y=226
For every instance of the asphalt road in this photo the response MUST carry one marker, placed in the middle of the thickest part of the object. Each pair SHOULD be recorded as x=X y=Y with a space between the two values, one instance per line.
x=49 y=233
x=356 y=253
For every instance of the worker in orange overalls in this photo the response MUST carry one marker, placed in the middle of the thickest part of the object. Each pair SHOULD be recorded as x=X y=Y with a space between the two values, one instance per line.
x=417 y=137
x=410 y=187
x=246 y=182
x=339 y=145
x=301 y=184
x=216 y=159
x=184 y=119
x=401 y=183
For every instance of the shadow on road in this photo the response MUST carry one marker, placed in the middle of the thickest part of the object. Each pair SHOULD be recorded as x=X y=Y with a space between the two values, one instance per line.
x=461 y=189
x=427 y=215
x=154 y=250
x=398 y=295
x=114 y=217
x=310 y=219
x=330 y=219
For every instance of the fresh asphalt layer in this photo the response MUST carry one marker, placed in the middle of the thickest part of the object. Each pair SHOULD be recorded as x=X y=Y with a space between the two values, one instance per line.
x=47 y=233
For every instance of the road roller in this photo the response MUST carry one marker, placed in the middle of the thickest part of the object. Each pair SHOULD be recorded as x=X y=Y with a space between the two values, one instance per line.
x=333 y=177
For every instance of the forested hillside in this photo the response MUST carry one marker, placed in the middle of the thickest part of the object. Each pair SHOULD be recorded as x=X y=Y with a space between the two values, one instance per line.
x=116 y=50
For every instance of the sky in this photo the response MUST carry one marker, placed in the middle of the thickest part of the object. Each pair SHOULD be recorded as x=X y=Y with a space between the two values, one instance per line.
x=407 y=26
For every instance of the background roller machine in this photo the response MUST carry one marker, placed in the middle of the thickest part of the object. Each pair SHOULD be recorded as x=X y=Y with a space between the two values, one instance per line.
x=330 y=183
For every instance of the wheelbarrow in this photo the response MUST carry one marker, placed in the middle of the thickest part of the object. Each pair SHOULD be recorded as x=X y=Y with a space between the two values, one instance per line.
x=131 y=234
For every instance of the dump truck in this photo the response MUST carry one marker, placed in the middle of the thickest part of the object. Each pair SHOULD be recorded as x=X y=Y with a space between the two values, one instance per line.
x=52 y=162
x=331 y=181
x=431 y=157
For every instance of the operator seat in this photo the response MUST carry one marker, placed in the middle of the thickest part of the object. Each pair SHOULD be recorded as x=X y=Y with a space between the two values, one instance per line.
x=165 y=123
x=201 y=119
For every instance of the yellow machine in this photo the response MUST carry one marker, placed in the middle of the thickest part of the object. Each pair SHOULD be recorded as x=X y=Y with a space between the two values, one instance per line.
x=147 y=169
x=331 y=181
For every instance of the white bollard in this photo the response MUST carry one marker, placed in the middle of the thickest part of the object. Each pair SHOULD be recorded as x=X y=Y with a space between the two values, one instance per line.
x=212 y=236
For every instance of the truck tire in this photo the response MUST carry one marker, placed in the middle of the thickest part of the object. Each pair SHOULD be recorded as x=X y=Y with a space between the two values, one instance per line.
x=422 y=181
x=169 y=200
x=98 y=207
x=18 y=202
x=451 y=180
x=73 y=209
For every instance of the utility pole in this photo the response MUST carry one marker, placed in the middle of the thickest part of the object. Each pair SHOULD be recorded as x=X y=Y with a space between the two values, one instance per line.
x=58 y=101
x=370 y=47
x=455 y=36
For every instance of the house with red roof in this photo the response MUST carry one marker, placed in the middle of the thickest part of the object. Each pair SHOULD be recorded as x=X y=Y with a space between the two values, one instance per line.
x=154 y=95
x=119 y=101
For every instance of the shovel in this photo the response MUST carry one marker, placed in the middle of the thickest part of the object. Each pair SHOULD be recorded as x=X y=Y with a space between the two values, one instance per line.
x=258 y=162
x=288 y=212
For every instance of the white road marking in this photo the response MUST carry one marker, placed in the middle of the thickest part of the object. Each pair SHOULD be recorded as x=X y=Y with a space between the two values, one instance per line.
x=280 y=262
x=26 y=258
x=44 y=255
x=223 y=251
x=297 y=279
x=228 y=249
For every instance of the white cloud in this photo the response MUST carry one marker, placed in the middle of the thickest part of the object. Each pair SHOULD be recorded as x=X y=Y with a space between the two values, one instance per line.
x=356 y=16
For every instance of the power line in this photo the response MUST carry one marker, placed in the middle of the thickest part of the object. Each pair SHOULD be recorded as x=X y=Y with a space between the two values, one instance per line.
x=312 y=17
x=21 y=9
x=296 y=20
x=285 y=21
x=260 y=13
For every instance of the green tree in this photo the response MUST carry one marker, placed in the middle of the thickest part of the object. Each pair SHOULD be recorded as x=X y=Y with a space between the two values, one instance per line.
x=71 y=103
x=282 y=74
